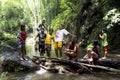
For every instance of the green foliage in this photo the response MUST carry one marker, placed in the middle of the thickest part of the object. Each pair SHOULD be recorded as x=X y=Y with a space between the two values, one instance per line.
x=112 y=17
x=3 y=76
x=12 y=66
x=18 y=69
x=12 y=14
x=59 y=19
x=68 y=9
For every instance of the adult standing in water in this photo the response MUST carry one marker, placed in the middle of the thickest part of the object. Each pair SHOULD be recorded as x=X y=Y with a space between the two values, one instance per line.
x=59 y=40
x=103 y=36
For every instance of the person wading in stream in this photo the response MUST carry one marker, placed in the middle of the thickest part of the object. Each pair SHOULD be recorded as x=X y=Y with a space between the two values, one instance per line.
x=103 y=36
x=41 y=35
x=59 y=40
x=21 y=43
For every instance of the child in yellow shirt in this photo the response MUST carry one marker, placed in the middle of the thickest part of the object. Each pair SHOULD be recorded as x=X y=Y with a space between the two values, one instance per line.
x=48 y=42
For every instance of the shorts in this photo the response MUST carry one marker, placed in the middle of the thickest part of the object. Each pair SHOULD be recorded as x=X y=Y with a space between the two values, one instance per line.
x=42 y=48
x=20 y=44
x=106 y=48
x=48 y=47
x=58 y=44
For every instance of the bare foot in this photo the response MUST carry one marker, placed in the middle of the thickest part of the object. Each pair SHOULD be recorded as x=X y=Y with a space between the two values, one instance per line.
x=104 y=58
x=21 y=59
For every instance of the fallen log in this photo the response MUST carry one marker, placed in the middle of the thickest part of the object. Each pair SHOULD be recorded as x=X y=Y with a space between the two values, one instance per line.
x=112 y=63
x=101 y=67
x=76 y=66
x=70 y=66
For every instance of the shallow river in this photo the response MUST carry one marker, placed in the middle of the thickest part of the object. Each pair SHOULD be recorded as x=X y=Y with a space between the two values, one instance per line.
x=44 y=75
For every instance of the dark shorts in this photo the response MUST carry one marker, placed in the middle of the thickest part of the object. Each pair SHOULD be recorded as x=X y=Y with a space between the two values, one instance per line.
x=48 y=47
x=42 y=48
x=20 y=45
x=106 y=48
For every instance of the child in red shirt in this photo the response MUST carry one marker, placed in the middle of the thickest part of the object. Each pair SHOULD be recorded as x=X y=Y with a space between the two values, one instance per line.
x=21 y=42
x=72 y=51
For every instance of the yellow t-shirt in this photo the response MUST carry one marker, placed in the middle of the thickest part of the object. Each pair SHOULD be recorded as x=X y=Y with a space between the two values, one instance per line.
x=48 y=39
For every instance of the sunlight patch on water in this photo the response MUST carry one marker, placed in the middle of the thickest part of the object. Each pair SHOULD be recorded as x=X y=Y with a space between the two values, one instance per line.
x=41 y=71
x=29 y=76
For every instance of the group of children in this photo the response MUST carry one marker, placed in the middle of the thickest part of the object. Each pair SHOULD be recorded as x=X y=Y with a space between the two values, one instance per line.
x=93 y=50
x=45 y=41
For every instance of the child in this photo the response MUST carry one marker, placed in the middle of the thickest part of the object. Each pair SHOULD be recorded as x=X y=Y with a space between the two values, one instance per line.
x=93 y=52
x=104 y=42
x=41 y=35
x=72 y=51
x=39 y=28
x=48 y=42
x=21 y=43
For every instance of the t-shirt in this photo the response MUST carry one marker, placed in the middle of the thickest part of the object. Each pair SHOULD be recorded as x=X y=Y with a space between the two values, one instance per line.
x=75 y=46
x=96 y=50
x=48 y=39
x=104 y=40
x=39 y=29
x=60 y=34
x=22 y=35
x=76 y=52
x=42 y=37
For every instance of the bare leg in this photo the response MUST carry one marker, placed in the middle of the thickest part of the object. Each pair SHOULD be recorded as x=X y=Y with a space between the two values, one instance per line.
x=20 y=54
x=48 y=54
x=105 y=55
x=41 y=54
x=23 y=51
x=56 y=52
x=60 y=51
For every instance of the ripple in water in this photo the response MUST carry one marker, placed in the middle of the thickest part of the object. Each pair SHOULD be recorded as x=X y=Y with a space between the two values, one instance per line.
x=41 y=71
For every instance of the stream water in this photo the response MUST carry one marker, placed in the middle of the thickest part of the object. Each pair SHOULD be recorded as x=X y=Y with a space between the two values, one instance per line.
x=45 y=75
